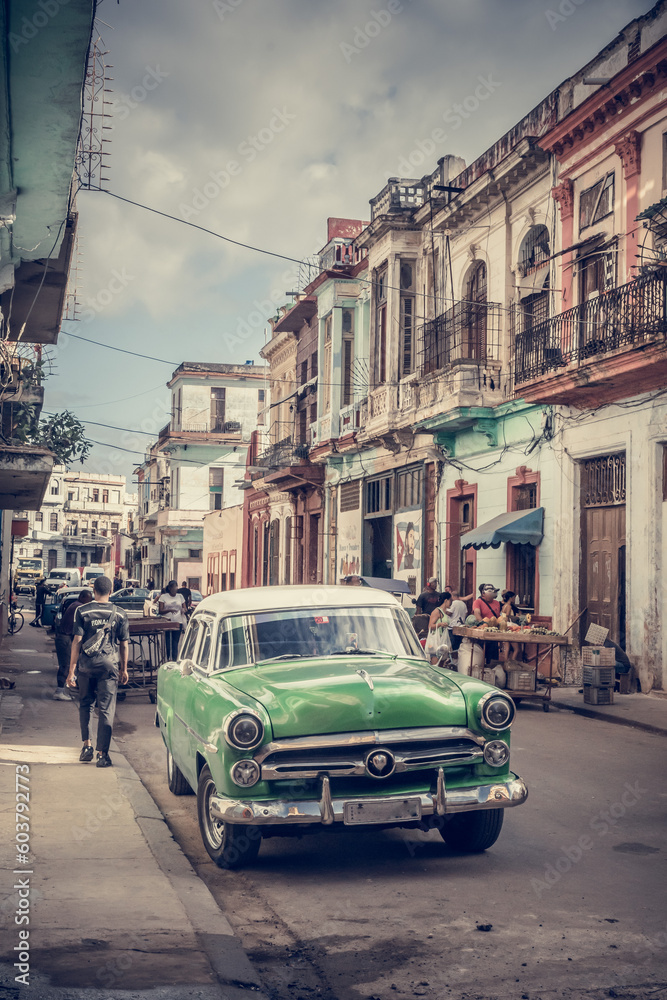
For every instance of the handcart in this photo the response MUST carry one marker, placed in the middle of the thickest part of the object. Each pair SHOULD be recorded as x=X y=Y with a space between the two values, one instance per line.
x=148 y=650
x=522 y=683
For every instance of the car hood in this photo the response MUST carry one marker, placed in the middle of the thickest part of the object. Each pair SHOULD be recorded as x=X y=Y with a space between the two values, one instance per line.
x=314 y=697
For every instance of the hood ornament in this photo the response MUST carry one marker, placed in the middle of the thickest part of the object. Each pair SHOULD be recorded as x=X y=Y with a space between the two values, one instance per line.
x=366 y=677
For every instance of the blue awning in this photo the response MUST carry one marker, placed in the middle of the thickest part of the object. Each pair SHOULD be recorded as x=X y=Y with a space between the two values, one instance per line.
x=521 y=527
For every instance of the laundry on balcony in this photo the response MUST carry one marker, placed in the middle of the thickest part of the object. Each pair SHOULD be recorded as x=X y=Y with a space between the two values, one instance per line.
x=521 y=527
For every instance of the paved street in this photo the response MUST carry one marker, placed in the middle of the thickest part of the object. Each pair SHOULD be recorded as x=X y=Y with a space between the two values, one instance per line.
x=573 y=891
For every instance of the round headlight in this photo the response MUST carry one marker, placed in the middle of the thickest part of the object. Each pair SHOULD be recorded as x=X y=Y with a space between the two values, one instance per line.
x=245 y=773
x=497 y=711
x=496 y=753
x=244 y=730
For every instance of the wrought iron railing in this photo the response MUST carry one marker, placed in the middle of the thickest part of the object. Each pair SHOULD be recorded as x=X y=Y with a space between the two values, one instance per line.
x=468 y=331
x=628 y=316
x=283 y=453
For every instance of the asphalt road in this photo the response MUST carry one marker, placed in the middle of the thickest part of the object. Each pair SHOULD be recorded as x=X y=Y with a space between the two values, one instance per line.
x=570 y=902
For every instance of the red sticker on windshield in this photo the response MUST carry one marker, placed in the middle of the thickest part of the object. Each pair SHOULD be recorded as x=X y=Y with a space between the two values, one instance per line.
x=323 y=620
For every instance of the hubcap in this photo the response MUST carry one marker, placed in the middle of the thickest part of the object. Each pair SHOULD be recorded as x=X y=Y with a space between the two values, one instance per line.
x=215 y=829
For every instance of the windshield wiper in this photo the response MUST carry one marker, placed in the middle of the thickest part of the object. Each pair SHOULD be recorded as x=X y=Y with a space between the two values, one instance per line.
x=283 y=656
x=355 y=651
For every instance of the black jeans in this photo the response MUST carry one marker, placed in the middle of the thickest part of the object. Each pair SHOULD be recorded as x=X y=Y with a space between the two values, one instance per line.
x=63 y=650
x=104 y=688
x=171 y=639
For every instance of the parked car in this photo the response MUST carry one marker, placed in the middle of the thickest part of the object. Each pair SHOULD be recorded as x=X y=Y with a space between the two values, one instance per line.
x=291 y=709
x=58 y=577
x=130 y=598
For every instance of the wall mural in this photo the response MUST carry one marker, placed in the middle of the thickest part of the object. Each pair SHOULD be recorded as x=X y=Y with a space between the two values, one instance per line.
x=349 y=543
x=408 y=547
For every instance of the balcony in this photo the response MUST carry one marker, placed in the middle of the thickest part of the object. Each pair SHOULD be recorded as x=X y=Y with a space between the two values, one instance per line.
x=468 y=332
x=600 y=351
x=289 y=466
x=201 y=433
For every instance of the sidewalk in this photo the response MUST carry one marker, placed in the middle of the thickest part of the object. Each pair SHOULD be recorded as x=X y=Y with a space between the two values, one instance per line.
x=643 y=711
x=113 y=903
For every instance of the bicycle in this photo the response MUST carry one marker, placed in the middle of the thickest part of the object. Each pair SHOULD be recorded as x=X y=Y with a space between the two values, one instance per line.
x=15 y=620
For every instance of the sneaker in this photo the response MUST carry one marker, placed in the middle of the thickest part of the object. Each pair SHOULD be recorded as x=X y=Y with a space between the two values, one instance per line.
x=60 y=694
x=86 y=755
x=104 y=760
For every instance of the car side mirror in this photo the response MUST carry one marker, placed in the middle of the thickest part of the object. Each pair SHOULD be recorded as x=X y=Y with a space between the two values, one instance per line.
x=187 y=668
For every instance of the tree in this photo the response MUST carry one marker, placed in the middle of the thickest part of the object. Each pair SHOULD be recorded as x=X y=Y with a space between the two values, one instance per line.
x=61 y=433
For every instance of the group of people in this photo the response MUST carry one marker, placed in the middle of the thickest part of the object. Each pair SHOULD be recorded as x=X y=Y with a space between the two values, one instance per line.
x=447 y=609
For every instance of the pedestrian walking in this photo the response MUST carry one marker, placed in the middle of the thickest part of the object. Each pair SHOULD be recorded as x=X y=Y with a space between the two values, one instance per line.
x=98 y=661
x=64 y=629
x=40 y=597
x=186 y=594
x=429 y=599
x=171 y=605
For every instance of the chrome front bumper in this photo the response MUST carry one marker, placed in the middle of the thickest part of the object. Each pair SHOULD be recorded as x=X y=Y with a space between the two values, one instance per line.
x=327 y=810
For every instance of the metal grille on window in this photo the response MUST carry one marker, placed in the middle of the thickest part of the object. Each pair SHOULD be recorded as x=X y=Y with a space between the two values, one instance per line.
x=408 y=488
x=534 y=250
x=378 y=496
x=603 y=481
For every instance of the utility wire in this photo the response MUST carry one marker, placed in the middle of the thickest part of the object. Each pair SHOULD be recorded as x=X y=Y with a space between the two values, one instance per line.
x=122 y=350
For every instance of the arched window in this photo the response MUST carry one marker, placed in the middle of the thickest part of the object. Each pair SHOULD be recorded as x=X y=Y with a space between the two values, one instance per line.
x=474 y=313
x=534 y=250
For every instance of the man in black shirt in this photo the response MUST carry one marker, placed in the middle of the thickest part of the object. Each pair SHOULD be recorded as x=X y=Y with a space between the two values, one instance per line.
x=430 y=598
x=64 y=628
x=99 y=650
x=40 y=595
x=186 y=594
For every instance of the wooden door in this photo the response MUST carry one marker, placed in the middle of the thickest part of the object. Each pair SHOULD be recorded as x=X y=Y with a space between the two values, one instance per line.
x=603 y=568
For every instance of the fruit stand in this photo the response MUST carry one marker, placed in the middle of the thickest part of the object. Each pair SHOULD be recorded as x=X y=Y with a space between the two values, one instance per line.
x=522 y=683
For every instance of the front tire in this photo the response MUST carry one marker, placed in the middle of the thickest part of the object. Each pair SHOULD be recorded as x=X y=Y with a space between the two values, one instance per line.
x=473 y=832
x=230 y=845
x=175 y=779
x=15 y=623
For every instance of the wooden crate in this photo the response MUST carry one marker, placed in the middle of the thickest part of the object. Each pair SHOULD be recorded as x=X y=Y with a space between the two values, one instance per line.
x=598 y=696
x=598 y=656
x=599 y=677
x=521 y=680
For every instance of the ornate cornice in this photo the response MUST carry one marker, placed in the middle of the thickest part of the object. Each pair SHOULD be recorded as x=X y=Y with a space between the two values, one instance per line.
x=636 y=82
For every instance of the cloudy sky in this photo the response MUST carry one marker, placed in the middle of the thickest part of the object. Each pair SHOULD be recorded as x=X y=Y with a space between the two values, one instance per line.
x=258 y=119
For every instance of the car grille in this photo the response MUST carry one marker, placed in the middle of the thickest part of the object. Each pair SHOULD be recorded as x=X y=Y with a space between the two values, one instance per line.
x=345 y=754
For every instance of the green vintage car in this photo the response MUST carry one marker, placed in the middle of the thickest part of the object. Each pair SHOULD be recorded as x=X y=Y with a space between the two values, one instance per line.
x=291 y=709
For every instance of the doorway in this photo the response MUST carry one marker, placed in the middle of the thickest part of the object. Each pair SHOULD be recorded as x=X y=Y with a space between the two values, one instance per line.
x=603 y=545
x=377 y=547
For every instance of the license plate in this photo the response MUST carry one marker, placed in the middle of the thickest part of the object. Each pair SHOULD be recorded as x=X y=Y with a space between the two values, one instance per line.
x=382 y=811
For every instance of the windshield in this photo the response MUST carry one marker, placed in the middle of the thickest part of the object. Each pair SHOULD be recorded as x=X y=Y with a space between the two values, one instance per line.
x=287 y=635
x=59 y=574
x=92 y=574
x=30 y=564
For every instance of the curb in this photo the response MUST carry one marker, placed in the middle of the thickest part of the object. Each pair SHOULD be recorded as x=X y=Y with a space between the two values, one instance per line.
x=218 y=942
x=590 y=713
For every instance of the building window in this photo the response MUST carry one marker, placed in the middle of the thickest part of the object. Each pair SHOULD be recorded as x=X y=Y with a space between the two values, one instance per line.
x=664 y=161
x=194 y=553
x=105 y=497
x=313 y=364
x=303 y=376
x=378 y=496
x=407 y=355
x=596 y=202
x=326 y=385
x=381 y=326
x=474 y=310
x=70 y=560
x=534 y=251
x=349 y=496
x=55 y=489
x=597 y=273
x=348 y=357
x=215 y=487
x=261 y=396
x=53 y=522
x=409 y=488
x=217 y=410
x=72 y=494
x=39 y=517
x=93 y=525
x=115 y=527
x=96 y=496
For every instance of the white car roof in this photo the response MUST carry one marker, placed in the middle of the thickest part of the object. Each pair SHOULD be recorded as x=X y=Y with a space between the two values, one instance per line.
x=251 y=599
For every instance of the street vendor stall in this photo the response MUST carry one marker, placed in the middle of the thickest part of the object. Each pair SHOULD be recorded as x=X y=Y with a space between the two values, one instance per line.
x=522 y=681
x=148 y=650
